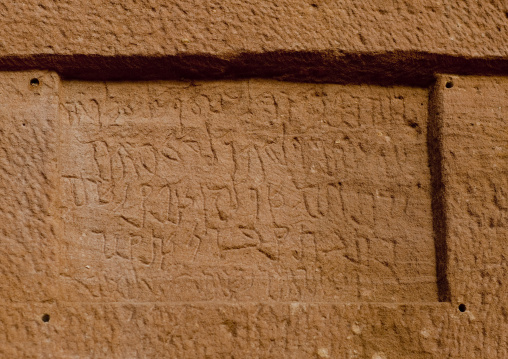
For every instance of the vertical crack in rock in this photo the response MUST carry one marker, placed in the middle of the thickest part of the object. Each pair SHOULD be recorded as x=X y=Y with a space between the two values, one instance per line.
x=438 y=188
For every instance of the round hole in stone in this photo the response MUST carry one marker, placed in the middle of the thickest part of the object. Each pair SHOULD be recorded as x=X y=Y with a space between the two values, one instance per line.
x=462 y=307
x=449 y=85
x=34 y=82
x=45 y=318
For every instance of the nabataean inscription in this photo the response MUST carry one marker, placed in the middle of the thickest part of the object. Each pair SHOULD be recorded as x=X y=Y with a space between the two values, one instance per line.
x=245 y=190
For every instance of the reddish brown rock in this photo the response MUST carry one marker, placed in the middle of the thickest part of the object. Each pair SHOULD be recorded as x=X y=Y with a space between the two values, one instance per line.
x=246 y=190
x=228 y=27
x=289 y=180
x=29 y=186
x=251 y=217
x=389 y=41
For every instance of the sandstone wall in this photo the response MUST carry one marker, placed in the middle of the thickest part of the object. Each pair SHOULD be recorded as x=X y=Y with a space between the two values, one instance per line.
x=267 y=179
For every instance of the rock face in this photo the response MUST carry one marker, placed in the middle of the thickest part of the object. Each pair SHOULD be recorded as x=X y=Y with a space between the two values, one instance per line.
x=268 y=180
x=245 y=190
x=157 y=27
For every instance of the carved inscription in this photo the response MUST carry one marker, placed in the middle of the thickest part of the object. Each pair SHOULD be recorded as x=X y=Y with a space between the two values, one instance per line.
x=248 y=190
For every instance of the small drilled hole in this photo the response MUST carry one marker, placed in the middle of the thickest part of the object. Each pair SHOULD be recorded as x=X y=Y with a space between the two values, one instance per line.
x=449 y=85
x=45 y=318
x=506 y=14
x=462 y=307
x=314 y=5
x=34 y=82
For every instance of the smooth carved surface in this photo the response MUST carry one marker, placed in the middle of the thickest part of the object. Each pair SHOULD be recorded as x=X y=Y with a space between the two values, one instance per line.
x=245 y=190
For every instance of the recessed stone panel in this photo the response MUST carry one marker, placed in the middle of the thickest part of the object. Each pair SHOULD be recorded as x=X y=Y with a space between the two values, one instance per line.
x=245 y=190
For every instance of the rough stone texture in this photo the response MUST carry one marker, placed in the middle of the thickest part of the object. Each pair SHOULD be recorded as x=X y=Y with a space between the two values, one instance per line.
x=156 y=27
x=388 y=41
x=28 y=177
x=356 y=211
x=470 y=114
x=247 y=190
x=165 y=237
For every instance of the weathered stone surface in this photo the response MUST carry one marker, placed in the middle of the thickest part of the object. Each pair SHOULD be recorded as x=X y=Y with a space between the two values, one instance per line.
x=389 y=41
x=156 y=27
x=245 y=190
x=28 y=186
x=286 y=330
x=470 y=114
x=253 y=217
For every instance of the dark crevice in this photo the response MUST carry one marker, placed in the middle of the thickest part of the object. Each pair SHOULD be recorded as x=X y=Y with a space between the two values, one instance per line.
x=388 y=68
x=439 y=213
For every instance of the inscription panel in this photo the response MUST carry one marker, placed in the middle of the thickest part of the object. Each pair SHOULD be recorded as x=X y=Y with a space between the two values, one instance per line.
x=245 y=190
